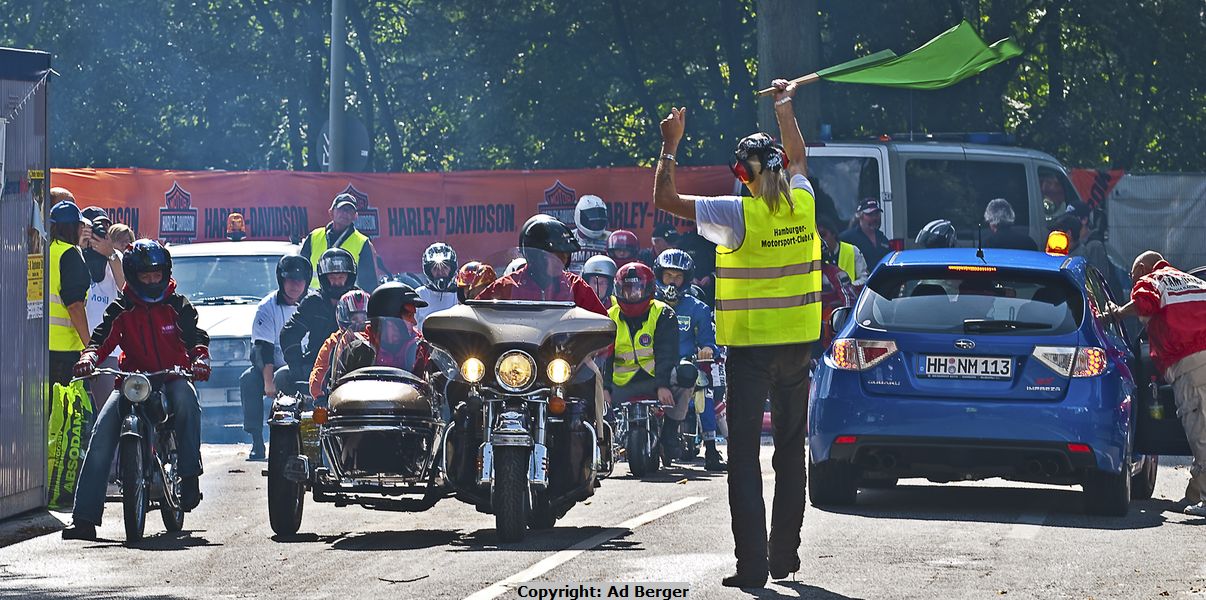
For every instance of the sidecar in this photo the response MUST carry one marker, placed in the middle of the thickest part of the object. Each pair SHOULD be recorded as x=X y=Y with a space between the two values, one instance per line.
x=374 y=444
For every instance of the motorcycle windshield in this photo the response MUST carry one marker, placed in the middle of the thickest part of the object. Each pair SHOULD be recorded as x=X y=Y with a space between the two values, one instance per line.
x=396 y=342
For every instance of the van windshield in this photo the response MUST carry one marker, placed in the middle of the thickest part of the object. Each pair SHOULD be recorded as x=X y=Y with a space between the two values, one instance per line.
x=942 y=300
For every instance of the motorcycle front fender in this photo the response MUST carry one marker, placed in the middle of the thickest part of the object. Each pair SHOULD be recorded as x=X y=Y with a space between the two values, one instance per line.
x=131 y=426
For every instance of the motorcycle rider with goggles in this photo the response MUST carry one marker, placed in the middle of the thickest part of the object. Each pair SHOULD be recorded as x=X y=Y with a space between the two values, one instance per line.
x=157 y=330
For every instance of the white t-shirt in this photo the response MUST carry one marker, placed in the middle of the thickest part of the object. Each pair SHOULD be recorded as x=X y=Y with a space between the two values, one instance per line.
x=436 y=301
x=721 y=220
x=270 y=318
x=100 y=295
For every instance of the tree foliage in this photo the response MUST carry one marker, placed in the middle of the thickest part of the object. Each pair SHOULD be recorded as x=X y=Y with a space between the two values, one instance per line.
x=483 y=84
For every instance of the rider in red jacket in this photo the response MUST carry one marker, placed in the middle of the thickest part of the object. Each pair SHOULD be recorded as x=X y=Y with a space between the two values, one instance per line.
x=157 y=330
x=547 y=245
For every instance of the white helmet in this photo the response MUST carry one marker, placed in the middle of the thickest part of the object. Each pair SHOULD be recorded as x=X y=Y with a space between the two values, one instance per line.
x=514 y=266
x=590 y=217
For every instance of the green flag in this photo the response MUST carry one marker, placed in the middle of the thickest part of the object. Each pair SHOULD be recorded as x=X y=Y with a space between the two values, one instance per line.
x=956 y=54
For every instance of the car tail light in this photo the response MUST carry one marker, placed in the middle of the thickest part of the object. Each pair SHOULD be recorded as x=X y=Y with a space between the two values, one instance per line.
x=1090 y=362
x=845 y=439
x=1070 y=361
x=860 y=355
x=1079 y=448
x=896 y=244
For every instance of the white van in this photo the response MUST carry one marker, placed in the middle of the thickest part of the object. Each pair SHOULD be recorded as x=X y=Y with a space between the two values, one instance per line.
x=919 y=181
x=225 y=281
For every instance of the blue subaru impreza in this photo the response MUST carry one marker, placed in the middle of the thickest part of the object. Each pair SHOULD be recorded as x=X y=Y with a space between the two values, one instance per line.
x=955 y=365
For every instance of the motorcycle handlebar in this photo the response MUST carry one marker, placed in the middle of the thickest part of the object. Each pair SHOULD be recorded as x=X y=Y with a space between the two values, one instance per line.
x=180 y=371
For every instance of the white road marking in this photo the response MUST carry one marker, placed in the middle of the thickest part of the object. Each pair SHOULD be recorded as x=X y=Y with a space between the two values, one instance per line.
x=1028 y=526
x=564 y=556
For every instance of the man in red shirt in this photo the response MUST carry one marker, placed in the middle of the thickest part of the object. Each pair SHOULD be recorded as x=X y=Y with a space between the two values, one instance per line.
x=1174 y=305
x=547 y=245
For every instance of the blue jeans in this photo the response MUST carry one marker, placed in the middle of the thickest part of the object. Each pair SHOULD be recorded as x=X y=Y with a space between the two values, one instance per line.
x=94 y=475
x=255 y=404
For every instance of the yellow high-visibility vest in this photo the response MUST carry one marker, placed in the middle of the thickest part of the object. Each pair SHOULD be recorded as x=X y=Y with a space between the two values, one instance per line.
x=768 y=291
x=846 y=260
x=634 y=350
x=63 y=336
x=354 y=244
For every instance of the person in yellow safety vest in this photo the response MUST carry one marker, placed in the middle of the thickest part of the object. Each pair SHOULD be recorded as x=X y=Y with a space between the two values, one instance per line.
x=846 y=256
x=341 y=233
x=69 y=281
x=768 y=313
x=646 y=349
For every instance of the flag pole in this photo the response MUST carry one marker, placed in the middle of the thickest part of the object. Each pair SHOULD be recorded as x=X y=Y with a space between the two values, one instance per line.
x=805 y=80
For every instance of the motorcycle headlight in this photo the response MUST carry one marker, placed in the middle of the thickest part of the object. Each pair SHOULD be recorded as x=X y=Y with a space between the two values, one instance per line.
x=559 y=371
x=136 y=388
x=515 y=370
x=473 y=370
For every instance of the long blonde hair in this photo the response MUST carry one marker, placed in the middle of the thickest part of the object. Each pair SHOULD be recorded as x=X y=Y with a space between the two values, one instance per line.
x=774 y=189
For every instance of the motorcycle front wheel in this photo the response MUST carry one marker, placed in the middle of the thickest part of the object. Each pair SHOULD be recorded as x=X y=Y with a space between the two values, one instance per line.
x=173 y=518
x=133 y=487
x=637 y=449
x=286 y=498
x=511 y=498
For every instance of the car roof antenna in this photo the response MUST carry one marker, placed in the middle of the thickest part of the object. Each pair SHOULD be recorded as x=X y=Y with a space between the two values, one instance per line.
x=980 y=242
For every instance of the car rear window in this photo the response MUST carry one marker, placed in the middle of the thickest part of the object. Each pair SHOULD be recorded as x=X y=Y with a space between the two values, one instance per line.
x=950 y=300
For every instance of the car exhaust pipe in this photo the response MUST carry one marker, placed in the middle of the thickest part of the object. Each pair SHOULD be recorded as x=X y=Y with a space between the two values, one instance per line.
x=1034 y=467
x=1051 y=468
x=887 y=461
x=869 y=461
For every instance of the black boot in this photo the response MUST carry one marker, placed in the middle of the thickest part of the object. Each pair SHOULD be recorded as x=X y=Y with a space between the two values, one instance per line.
x=672 y=443
x=712 y=459
x=190 y=493
x=80 y=530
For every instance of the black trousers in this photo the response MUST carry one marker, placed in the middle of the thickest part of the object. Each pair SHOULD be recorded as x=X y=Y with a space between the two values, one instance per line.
x=755 y=374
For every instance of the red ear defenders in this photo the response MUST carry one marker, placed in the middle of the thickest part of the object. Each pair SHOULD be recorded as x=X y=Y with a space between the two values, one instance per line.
x=743 y=169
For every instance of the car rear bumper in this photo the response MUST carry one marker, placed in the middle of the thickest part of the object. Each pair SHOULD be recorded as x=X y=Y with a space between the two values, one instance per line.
x=947 y=459
x=1096 y=412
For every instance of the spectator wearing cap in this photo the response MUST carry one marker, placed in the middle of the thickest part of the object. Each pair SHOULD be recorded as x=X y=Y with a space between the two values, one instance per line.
x=1000 y=216
x=107 y=280
x=341 y=233
x=865 y=235
x=68 y=287
x=664 y=236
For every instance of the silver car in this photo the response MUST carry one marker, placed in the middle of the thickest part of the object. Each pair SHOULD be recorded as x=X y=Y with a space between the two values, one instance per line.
x=225 y=281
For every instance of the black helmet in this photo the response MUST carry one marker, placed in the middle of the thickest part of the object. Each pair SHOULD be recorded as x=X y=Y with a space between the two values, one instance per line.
x=336 y=260
x=440 y=253
x=293 y=266
x=543 y=232
x=939 y=233
x=389 y=298
x=143 y=257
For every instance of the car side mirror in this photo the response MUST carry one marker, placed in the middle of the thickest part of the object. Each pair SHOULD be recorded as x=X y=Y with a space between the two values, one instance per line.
x=838 y=318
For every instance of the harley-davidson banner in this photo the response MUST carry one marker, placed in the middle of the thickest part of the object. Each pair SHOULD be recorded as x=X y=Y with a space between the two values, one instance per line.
x=478 y=212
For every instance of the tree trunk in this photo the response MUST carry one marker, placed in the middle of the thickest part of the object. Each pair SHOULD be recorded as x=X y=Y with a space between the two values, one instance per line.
x=377 y=82
x=789 y=46
x=739 y=95
x=630 y=58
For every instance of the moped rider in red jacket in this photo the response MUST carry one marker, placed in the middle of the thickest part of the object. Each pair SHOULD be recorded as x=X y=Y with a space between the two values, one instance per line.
x=157 y=330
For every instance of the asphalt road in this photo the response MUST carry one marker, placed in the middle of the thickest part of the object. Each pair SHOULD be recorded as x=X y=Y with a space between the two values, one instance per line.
x=974 y=540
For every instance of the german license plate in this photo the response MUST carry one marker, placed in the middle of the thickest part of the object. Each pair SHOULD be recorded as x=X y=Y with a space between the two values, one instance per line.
x=966 y=367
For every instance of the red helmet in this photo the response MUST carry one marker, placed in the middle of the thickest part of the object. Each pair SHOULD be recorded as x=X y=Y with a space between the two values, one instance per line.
x=622 y=246
x=634 y=289
x=473 y=277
